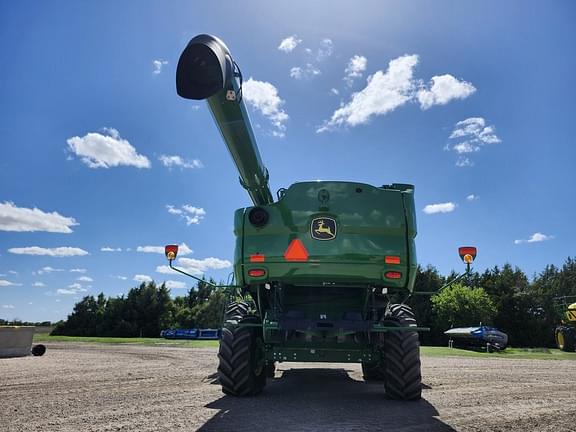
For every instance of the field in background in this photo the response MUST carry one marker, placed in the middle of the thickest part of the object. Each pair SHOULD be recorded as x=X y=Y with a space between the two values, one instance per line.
x=511 y=353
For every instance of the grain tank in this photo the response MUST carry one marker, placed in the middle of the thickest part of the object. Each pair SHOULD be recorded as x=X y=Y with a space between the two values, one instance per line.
x=322 y=271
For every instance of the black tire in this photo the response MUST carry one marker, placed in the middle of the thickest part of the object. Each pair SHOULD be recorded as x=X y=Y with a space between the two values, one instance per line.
x=565 y=339
x=235 y=312
x=403 y=379
x=373 y=371
x=38 y=350
x=241 y=370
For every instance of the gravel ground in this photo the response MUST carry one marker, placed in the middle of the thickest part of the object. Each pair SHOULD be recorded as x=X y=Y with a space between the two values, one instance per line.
x=96 y=387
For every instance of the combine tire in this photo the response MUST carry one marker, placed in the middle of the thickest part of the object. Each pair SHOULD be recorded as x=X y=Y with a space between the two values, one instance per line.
x=373 y=371
x=564 y=338
x=241 y=370
x=403 y=379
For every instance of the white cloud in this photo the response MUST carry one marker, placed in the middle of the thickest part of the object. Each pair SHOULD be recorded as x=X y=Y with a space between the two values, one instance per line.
x=263 y=97
x=287 y=45
x=326 y=49
x=195 y=266
x=174 y=284
x=110 y=249
x=384 y=92
x=192 y=215
x=466 y=147
x=158 y=65
x=439 y=208
x=23 y=219
x=470 y=136
x=85 y=279
x=122 y=277
x=5 y=283
x=8 y=306
x=355 y=68
x=142 y=278
x=306 y=72
x=48 y=270
x=334 y=91
x=104 y=151
x=535 y=238
x=183 y=249
x=443 y=89
x=472 y=197
x=70 y=291
x=78 y=270
x=38 y=284
x=53 y=252
x=463 y=162
x=177 y=161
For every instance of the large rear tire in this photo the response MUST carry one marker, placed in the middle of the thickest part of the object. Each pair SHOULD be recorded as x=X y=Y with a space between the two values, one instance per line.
x=403 y=379
x=564 y=338
x=241 y=370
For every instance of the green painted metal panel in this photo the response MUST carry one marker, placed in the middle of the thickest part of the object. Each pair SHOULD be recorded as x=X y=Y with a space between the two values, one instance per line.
x=370 y=224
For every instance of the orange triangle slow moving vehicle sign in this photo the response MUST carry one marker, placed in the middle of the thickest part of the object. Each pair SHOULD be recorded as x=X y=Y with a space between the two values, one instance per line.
x=296 y=251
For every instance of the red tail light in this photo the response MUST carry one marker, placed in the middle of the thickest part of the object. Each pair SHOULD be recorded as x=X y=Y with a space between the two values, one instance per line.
x=393 y=275
x=392 y=259
x=256 y=272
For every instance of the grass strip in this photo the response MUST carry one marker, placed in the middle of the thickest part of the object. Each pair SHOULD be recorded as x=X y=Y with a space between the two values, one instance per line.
x=426 y=351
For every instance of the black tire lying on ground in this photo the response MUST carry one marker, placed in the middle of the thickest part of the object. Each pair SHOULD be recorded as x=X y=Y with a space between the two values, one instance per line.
x=38 y=350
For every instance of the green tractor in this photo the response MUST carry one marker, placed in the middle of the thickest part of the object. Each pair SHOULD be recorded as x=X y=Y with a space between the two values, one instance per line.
x=322 y=272
x=565 y=333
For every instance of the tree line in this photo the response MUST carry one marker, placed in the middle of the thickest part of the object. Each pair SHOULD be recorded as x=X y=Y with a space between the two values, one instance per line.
x=144 y=312
x=502 y=297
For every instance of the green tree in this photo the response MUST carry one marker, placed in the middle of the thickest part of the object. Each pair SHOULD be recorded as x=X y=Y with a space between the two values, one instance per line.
x=458 y=305
x=427 y=280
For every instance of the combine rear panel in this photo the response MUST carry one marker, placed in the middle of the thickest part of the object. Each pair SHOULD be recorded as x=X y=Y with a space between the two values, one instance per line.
x=322 y=233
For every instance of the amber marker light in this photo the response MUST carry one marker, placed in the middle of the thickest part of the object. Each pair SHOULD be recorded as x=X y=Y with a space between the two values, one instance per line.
x=467 y=254
x=256 y=258
x=171 y=251
x=391 y=259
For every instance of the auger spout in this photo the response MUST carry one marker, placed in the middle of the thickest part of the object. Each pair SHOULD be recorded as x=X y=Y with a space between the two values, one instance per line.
x=206 y=70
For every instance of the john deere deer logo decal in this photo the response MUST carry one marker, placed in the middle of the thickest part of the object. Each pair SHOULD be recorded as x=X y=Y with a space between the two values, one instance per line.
x=323 y=228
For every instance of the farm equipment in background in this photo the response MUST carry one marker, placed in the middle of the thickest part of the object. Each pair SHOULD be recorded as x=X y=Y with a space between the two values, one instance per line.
x=192 y=334
x=16 y=341
x=322 y=273
x=484 y=337
x=565 y=333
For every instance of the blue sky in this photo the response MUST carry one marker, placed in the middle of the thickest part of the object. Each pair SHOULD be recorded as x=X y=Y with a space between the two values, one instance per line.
x=101 y=163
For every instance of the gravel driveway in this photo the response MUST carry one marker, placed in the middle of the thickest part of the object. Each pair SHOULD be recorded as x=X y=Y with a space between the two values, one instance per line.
x=98 y=387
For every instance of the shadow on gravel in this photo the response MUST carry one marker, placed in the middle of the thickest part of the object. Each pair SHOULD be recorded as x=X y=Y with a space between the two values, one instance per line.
x=321 y=400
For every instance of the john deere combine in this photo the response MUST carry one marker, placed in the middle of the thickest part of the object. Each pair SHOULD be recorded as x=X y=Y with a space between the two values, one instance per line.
x=322 y=271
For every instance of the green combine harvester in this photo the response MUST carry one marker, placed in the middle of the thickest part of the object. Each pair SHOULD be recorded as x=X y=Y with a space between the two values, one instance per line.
x=322 y=272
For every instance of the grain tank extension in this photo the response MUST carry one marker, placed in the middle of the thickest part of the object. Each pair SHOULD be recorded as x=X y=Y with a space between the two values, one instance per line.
x=322 y=272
